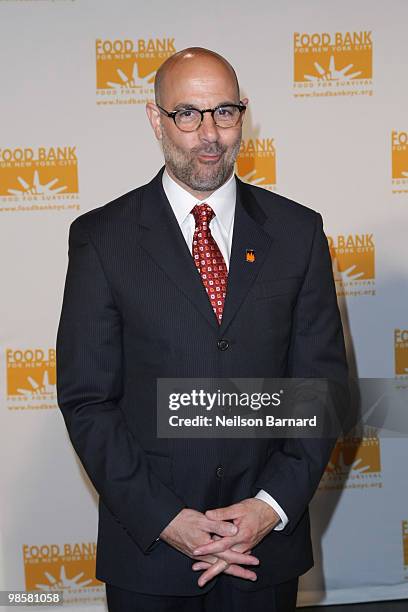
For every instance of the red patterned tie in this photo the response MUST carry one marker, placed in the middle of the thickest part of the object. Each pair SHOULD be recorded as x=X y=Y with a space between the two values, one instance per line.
x=208 y=259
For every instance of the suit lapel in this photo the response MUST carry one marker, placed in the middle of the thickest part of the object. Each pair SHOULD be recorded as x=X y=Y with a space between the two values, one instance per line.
x=248 y=233
x=162 y=238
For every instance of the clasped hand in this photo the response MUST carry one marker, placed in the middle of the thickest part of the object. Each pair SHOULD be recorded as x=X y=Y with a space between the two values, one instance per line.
x=218 y=545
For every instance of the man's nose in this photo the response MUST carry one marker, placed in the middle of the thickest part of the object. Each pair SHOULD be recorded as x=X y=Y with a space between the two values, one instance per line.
x=208 y=130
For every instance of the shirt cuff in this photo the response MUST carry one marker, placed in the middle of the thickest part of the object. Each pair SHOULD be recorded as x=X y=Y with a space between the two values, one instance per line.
x=272 y=502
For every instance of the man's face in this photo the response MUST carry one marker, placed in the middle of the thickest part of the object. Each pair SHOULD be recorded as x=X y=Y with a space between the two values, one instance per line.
x=204 y=159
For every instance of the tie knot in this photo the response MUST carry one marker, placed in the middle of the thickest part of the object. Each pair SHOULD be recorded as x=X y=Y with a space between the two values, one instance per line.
x=202 y=213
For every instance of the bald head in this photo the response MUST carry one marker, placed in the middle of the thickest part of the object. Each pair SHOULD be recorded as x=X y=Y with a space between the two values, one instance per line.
x=186 y=64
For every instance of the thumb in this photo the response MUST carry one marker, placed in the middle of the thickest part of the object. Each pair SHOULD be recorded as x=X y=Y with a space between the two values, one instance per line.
x=223 y=514
x=223 y=528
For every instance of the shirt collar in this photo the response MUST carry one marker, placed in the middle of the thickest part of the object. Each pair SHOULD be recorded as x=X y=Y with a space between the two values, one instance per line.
x=222 y=200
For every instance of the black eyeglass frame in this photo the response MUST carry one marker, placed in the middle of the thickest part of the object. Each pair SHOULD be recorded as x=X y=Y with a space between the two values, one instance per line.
x=241 y=107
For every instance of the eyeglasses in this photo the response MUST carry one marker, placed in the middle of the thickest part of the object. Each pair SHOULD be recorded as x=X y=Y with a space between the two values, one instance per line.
x=190 y=119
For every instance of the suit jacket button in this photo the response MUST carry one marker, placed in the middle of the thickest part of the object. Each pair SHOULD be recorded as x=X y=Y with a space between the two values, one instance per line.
x=223 y=344
x=219 y=471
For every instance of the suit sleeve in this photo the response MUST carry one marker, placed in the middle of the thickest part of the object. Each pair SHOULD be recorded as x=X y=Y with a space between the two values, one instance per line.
x=89 y=389
x=292 y=473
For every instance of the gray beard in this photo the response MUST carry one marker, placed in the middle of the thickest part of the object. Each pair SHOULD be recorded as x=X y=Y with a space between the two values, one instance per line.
x=182 y=165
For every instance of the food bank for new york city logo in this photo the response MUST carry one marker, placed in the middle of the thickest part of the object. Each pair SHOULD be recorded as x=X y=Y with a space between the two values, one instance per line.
x=68 y=567
x=399 y=161
x=353 y=257
x=42 y=173
x=355 y=462
x=256 y=162
x=338 y=63
x=31 y=374
x=126 y=68
x=401 y=352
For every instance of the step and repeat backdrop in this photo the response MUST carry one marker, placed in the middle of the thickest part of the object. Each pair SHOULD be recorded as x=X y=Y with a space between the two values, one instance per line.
x=326 y=126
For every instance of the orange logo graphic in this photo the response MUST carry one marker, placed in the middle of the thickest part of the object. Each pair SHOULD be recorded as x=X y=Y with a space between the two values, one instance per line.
x=405 y=542
x=399 y=150
x=353 y=258
x=126 y=68
x=401 y=352
x=250 y=255
x=256 y=162
x=68 y=567
x=31 y=375
x=354 y=463
x=39 y=175
x=333 y=64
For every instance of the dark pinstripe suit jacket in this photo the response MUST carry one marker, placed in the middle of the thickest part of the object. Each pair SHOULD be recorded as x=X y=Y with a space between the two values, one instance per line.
x=135 y=309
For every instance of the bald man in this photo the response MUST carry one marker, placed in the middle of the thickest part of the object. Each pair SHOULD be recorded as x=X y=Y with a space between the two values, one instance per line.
x=159 y=285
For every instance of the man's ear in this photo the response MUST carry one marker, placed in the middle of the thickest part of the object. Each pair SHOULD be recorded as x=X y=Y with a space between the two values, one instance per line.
x=153 y=114
x=245 y=101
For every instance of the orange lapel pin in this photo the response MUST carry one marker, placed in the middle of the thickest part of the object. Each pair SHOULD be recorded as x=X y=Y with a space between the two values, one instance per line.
x=250 y=255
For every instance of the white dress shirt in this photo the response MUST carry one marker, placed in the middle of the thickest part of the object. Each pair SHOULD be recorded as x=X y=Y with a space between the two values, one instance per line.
x=222 y=201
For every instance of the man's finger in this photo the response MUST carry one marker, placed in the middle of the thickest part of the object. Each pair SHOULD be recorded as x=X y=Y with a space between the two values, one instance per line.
x=222 y=528
x=238 y=547
x=241 y=572
x=239 y=558
x=210 y=559
x=217 y=568
x=242 y=548
x=217 y=545
x=225 y=513
x=200 y=565
x=232 y=570
x=231 y=557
